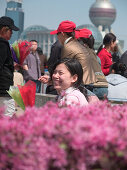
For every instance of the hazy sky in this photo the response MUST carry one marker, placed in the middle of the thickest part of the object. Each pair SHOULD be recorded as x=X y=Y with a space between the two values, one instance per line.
x=50 y=13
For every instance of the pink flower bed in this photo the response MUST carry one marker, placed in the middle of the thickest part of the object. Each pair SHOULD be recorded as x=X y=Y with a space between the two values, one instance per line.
x=52 y=138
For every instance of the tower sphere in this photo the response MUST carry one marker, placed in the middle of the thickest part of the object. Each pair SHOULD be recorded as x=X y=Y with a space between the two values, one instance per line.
x=102 y=12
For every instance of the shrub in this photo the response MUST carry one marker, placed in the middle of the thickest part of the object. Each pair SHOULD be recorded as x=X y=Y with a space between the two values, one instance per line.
x=73 y=138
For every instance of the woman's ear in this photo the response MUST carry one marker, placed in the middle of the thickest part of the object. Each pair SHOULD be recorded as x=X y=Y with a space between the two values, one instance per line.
x=75 y=78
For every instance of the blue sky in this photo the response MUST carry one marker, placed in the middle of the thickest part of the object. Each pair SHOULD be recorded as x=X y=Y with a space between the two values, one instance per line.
x=50 y=13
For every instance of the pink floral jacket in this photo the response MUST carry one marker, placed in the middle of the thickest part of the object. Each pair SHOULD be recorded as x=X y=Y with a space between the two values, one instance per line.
x=71 y=96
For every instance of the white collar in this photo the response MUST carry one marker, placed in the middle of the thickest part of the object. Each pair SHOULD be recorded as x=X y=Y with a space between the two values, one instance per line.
x=67 y=91
x=66 y=41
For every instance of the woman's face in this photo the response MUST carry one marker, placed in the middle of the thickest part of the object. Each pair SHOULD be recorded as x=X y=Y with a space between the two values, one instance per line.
x=62 y=78
x=113 y=45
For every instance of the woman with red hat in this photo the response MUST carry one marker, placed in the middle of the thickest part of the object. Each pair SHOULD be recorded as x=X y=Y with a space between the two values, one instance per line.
x=85 y=37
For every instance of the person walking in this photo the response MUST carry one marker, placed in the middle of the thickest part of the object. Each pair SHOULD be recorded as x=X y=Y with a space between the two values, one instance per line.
x=31 y=66
x=6 y=62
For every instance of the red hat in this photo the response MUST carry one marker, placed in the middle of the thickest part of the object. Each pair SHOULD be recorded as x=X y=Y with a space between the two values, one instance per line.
x=83 y=33
x=65 y=26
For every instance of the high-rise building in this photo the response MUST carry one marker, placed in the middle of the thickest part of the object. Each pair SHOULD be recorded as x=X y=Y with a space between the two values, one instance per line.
x=102 y=14
x=14 y=10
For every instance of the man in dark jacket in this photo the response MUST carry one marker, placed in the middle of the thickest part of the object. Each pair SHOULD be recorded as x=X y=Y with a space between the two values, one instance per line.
x=55 y=53
x=6 y=61
x=123 y=60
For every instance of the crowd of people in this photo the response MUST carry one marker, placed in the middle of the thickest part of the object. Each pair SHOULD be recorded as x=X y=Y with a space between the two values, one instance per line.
x=78 y=75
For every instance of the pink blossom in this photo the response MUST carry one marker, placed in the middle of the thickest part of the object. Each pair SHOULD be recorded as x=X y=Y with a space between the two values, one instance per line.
x=75 y=138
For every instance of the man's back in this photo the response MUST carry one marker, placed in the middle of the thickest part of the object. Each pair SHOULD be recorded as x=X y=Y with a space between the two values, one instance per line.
x=87 y=58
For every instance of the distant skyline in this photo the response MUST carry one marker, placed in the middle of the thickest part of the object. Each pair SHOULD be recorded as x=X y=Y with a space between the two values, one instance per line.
x=49 y=13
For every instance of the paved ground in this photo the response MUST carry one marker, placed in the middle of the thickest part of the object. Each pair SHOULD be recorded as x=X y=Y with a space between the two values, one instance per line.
x=12 y=107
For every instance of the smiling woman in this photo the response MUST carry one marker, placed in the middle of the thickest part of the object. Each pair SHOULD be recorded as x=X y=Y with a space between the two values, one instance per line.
x=67 y=76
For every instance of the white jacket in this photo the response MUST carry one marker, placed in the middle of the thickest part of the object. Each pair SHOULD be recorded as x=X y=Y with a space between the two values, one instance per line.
x=117 y=87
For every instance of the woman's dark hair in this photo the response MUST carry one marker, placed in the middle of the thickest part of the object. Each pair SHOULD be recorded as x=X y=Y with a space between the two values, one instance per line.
x=89 y=41
x=74 y=67
x=119 y=68
x=108 y=39
x=115 y=57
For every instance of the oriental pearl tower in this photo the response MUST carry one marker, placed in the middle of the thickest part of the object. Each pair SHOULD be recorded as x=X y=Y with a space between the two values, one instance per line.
x=102 y=14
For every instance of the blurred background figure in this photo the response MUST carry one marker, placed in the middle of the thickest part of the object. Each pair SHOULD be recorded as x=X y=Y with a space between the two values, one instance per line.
x=117 y=84
x=18 y=78
x=118 y=68
x=123 y=60
x=104 y=52
x=43 y=67
x=55 y=54
x=43 y=60
x=6 y=61
x=31 y=66
x=116 y=55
